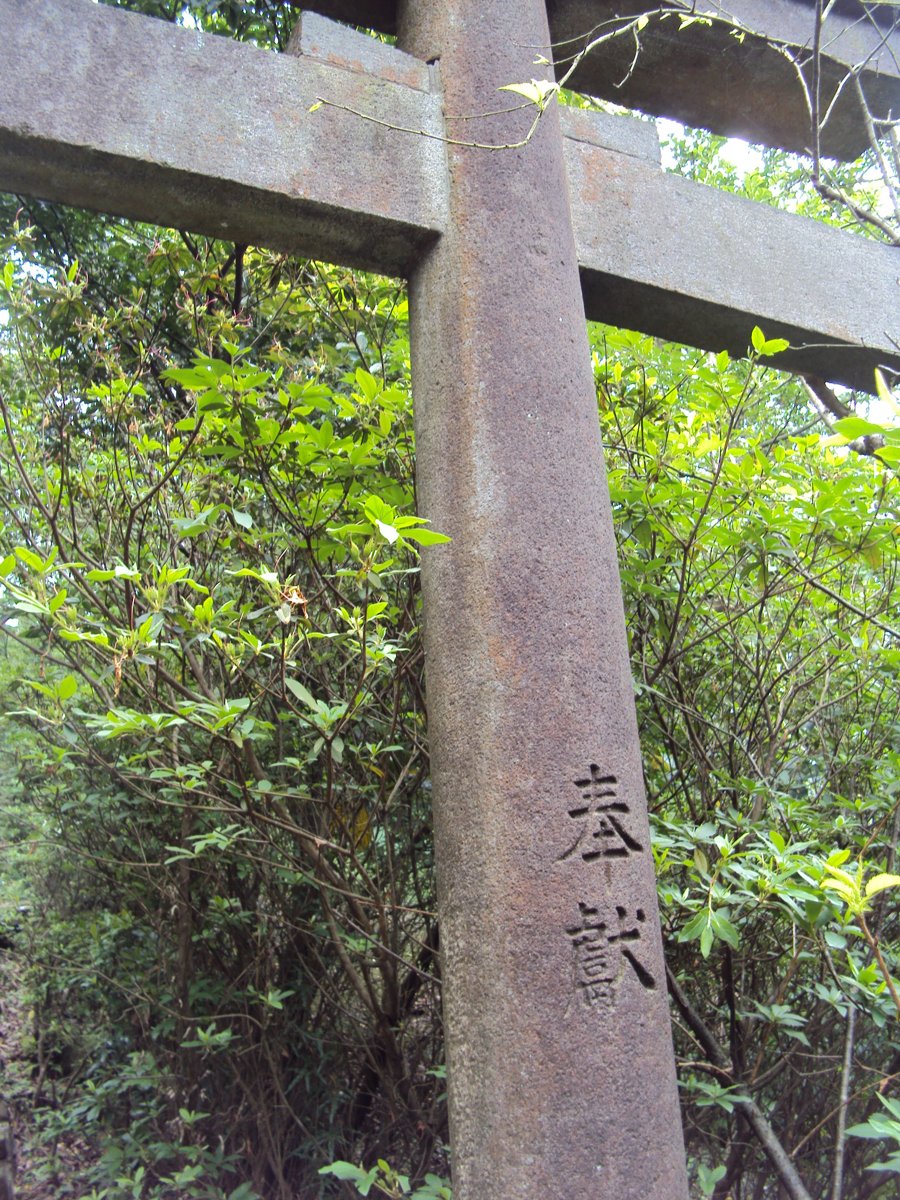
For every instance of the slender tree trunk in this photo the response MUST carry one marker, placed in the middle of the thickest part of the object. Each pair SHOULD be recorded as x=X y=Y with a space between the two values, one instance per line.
x=837 y=1181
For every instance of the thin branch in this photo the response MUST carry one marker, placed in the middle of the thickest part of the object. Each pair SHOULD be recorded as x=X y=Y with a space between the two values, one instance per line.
x=818 y=388
x=437 y=137
x=842 y=600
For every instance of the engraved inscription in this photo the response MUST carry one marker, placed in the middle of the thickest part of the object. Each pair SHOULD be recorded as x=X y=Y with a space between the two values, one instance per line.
x=603 y=950
x=602 y=819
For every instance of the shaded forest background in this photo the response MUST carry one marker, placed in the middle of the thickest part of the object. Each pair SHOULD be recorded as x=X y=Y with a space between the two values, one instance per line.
x=220 y=966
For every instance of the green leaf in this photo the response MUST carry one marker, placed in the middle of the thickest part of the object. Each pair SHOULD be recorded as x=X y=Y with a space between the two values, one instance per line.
x=879 y=883
x=846 y=891
x=537 y=91
x=241 y=518
x=854 y=427
x=30 y=559
x=695 y=926
x=708 y=1178
x=765 y=347
x=388 y=532
x=302 y=693
x=724 y=929
x=841 y=877
x=347 y=1170
x=706 y=940
x=425 y=537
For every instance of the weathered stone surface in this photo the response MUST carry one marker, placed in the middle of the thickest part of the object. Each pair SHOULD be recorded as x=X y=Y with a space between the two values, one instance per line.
x=561 y=1072
x=625 y=135
x=679 y=260
x=704 y=76
x=118 y=112
x=330 y=42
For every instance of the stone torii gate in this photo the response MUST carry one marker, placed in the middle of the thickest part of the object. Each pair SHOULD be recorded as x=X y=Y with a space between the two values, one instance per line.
x=562 y=1080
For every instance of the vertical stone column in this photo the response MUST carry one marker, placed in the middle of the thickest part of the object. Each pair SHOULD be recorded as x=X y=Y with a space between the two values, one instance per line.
x=562 y=1080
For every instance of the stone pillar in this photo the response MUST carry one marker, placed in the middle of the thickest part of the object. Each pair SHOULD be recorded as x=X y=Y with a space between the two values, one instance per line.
x=561 y=1072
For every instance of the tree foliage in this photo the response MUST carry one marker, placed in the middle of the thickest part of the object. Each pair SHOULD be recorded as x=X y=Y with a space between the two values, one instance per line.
x=208 y=512
x=760 y=574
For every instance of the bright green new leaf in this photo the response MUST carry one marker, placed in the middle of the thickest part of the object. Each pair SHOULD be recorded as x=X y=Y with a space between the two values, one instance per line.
x=537 y=91
x=767 y=346
x=880 y=883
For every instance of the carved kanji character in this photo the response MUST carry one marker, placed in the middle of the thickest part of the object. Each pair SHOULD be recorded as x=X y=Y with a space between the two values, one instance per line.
x=601 y=814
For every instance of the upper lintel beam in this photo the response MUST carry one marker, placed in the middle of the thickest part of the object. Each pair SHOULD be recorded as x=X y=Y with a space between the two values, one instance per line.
x=706 y=76
x=118 y=112
x=747 y=73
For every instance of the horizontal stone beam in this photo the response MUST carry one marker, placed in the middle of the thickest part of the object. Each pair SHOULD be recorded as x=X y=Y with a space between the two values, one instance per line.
x=124 y=114
x=677 y=259
x=118 y=112
x=705 y=76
